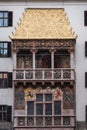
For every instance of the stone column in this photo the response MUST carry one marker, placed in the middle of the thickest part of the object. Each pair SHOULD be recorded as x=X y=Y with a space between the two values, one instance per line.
x=72 y=59
x=14 y=59
x=34 y=60
x=52 y=58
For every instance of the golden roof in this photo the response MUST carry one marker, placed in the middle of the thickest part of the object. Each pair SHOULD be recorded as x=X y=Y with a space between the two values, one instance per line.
x=44 y=24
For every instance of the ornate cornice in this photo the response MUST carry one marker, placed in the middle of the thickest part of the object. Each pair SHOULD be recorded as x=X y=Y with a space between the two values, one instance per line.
x=43 y=44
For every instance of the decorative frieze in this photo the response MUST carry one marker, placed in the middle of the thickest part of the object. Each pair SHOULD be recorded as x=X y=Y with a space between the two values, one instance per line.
x=43 y=44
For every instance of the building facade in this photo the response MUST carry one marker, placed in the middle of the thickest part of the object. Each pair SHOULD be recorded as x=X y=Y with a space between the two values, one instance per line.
x=43 y=75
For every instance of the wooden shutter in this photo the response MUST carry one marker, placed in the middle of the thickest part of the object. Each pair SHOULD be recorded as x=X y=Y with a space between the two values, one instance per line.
x=9 y=49
x=85 y=18
x=10 y=18
x=10 y=80
x=9 y=113
x=86 y=79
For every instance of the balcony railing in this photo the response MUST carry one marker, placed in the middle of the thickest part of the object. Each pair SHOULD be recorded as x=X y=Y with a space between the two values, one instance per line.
x=44 y=121
x=44 y=74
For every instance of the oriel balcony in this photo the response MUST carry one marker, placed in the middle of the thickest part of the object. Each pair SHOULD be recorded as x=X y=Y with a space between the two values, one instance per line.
x=43 y=65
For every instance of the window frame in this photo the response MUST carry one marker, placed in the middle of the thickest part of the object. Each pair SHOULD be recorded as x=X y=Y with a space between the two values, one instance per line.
x=6 y=80
x=44 y=115
x=7 y=113
x=3 y=18
x=3 y=112
x=3 y=48
x=9 y=18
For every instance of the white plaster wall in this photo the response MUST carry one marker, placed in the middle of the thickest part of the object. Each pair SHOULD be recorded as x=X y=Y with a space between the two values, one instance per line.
x=75 y=14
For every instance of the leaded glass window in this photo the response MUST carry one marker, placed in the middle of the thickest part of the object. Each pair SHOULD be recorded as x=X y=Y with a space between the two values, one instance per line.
x=57 y=107
x=48 y=97
x=30 y=108
x=45 y=110
x=39 y=109
x=48 y=109
x=39 y=97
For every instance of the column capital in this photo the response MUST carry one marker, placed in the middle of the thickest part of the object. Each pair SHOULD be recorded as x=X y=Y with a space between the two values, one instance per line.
x=71 y=50
x=33 y=50
x=52 y=50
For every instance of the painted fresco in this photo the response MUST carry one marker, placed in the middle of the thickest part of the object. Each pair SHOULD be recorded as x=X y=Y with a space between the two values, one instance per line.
x=29 y=93
x=19 y=98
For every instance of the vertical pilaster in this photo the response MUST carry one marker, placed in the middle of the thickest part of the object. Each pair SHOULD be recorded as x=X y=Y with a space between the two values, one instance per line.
x=71 y=59
x=52 y=58
x=14 y=59
x=33 y=60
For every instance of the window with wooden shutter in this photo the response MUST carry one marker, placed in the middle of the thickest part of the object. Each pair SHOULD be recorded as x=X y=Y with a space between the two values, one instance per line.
x=9 y=113
x=10 y=80
x=6 y=18
x=10 y=18
x=86 y=79
x=85 y=18
x=5 y=49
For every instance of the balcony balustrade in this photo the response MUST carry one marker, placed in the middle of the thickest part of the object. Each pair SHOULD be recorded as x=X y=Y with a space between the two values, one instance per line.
x=44 y=121
x=44 y=74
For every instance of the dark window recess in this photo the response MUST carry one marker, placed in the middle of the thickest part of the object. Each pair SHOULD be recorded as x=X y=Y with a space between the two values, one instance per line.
x=86 y=79
x=6 y=18
x=10 y=80
x=85 y=48
x=85 y=18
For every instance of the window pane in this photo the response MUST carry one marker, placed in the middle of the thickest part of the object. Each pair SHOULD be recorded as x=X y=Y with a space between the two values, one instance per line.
x=30 y=108
x=4 y=108
x=5 y=14
x=57 y=107
x=48 y=109
x=5 y=83
x=0 y=115
x=1 y=14
x=5 y=22
x=1 y=22
x=39 y=97
x=1 y=45
x=0 y=108
x=39 y=109
x=4 y=116
x=48 y=97
x=1 y=51
x=1 y=83
x=5 y=45
x=5 y=52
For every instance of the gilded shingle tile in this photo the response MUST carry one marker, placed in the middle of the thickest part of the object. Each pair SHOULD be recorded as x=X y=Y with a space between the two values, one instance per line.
x=44 y=24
